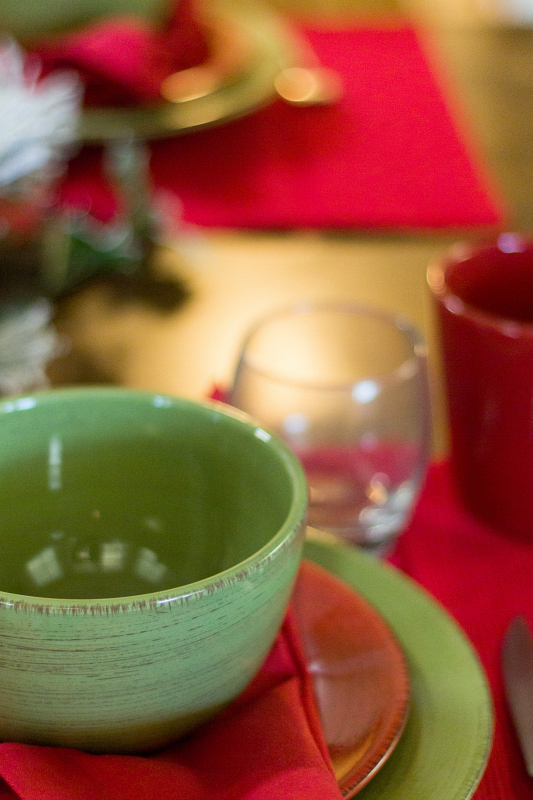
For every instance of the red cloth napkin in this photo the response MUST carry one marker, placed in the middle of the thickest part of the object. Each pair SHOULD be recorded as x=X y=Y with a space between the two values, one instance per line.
x=483 y=578
x=390 y=154
x=267 y=745
x=123 y=60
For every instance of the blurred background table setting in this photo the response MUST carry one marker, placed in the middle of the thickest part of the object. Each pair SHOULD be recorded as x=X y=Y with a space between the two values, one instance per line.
x=217 y=162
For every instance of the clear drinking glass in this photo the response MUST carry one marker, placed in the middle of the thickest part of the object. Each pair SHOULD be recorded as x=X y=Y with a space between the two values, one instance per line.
x=346 y=387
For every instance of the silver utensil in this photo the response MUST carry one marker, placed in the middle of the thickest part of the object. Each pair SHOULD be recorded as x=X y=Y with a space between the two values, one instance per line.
x=517 y=669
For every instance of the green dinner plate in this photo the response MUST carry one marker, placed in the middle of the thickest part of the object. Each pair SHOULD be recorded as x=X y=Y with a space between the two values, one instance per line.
x=273 y=46
x=444 y=748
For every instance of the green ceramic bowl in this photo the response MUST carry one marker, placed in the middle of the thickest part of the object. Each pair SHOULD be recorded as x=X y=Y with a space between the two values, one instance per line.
x=148 y=547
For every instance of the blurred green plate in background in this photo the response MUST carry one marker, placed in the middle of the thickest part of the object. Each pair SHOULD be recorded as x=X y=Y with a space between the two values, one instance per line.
x=272 y=44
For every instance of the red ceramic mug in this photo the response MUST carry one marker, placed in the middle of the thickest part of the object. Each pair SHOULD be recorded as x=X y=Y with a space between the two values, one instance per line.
x=484 y=301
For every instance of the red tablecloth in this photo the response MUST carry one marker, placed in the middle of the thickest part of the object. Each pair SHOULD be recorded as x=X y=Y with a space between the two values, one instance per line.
x=390 y=154
x=483 y=578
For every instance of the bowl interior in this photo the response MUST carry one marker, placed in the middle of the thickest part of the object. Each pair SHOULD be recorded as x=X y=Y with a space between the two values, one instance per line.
x=112 y=494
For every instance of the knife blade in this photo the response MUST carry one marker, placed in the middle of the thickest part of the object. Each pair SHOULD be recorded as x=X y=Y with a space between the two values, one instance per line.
x=517 y=670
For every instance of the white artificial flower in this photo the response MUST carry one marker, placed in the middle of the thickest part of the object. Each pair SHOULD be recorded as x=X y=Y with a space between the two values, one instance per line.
x=38 y=117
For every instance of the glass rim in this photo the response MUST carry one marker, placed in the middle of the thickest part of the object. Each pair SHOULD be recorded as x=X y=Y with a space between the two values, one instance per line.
x=403 y=326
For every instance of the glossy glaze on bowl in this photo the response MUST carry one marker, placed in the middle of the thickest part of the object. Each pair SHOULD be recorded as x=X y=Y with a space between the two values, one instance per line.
x=176 y=494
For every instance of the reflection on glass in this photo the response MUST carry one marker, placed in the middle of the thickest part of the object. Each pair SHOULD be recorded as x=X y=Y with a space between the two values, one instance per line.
x=365 y=391
x=295 y=423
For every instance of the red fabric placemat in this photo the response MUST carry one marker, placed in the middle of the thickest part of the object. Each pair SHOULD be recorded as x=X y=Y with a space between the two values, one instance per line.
x=483 y=578
x=268 y=745
x=389 y=155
